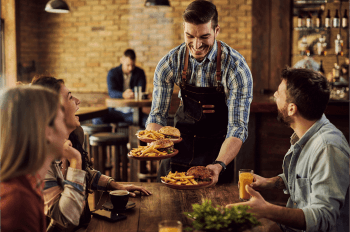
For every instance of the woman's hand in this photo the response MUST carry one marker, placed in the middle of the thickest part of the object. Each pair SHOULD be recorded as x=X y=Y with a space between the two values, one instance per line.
x=72 y=155
x=130 y=188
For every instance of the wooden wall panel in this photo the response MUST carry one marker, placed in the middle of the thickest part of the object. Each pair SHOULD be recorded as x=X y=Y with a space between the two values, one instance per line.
x=280 y=53
x=271 y=42
x=261 y=44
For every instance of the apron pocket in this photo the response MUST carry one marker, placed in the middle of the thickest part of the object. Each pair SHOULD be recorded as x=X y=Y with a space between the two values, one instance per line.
x=192 y=108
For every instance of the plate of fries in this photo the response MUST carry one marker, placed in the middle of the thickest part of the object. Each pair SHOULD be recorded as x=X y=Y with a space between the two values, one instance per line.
x=149 y=136
x=179 y=180
x=150 y=153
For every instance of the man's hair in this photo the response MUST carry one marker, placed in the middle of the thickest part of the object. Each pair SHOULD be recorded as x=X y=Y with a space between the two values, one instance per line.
x=25 y=112
x=130 y=53
x=308 y=90
x=49 y=82
x=201 y=12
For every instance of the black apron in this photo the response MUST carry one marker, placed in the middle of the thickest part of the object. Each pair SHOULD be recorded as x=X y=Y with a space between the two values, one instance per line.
x=202 y=119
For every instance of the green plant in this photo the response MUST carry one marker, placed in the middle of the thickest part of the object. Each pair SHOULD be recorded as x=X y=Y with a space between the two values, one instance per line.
x=210 y=218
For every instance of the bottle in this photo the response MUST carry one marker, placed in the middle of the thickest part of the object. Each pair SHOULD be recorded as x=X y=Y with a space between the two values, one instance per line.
x=321 y=68
x=327 y=21
x=319 y=19
x=309 y=20
x=338 y=45
x=300 y=19
x=336 y=20
x=336 y=73
x=345 y=19
x=321 y=46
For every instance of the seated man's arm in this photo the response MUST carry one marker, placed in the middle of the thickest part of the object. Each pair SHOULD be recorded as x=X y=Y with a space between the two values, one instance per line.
x=114 y=90
x=268 y=183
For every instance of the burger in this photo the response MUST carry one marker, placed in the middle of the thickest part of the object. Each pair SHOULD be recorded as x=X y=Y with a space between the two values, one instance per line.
x=200 y=173
x=164 y=145
x=170 y=132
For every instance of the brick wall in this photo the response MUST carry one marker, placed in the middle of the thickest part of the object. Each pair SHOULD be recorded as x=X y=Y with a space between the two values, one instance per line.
x=83 y=45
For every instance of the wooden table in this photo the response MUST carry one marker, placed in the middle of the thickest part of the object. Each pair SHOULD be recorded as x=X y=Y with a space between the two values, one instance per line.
x=86 y=113
x=136 y=104
x=169 y=204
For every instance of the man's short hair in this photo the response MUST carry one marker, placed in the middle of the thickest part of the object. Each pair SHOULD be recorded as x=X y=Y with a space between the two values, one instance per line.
x=309 y=90
x=130 y=53
x=201 y=12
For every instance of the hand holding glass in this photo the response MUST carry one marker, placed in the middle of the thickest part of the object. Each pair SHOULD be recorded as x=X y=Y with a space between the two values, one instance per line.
x=245 y=178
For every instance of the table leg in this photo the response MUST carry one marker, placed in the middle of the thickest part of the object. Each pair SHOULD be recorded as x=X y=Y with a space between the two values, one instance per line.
x=137 y=116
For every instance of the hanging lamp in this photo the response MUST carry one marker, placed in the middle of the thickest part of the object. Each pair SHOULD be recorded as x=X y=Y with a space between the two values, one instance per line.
x=149 y=3
x=57 y=6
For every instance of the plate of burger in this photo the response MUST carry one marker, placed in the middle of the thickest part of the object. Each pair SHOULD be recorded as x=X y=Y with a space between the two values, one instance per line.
x=156 y=150
x=171 y=133
x=195 y=178
x=167 y=132
x=149 y=136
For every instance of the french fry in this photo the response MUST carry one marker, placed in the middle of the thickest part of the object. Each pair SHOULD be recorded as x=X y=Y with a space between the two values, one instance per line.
x=179 y=178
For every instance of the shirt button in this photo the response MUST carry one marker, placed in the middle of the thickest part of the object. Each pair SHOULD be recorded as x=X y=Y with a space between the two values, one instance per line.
x=295 y=203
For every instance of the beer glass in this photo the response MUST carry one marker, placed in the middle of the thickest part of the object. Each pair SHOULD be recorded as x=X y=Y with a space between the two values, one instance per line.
x=170 y=226
x=245 y=178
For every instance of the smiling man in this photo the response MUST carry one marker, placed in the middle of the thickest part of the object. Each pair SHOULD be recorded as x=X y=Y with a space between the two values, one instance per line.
x=216 y=92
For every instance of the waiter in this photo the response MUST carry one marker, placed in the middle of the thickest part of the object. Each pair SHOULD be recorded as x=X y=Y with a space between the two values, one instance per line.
x=215 y=90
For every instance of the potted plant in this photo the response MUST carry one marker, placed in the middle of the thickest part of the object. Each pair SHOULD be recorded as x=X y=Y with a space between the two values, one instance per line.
x=211 y=219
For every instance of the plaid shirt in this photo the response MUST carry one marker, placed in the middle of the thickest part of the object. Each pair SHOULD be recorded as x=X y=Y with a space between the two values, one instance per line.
x=236 y=79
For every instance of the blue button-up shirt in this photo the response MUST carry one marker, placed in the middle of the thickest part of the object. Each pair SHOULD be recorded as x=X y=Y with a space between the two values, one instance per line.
x=236 y=79
x=316 y=175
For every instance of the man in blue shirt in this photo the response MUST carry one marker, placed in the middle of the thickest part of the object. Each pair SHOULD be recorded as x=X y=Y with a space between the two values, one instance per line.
x=316 y=167
x=121 y=81
x=215 y=90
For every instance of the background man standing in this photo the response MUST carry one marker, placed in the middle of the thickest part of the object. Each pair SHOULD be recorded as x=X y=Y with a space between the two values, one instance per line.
x=121 y=81
x=316 y=167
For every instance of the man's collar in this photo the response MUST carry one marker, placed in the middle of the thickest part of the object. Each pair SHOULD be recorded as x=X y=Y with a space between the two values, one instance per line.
x=294 y=139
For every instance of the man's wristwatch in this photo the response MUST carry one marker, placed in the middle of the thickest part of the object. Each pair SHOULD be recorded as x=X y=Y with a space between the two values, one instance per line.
x=222 y=164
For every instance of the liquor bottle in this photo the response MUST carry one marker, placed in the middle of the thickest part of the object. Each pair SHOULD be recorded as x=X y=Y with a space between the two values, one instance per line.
x=319 y=19
x=321 y=68
x=300 y=19
x=309 y=20
x=327 y=21
x=336 y=20
x=345 y=19
x=338 y=45
x=336 y=72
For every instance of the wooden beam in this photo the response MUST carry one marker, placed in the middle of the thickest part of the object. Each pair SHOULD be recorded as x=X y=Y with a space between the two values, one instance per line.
x=8 y=11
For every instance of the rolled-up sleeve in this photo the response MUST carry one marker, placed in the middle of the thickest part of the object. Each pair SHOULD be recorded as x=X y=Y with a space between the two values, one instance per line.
x=330 y=181
x=240 y=86
x=163 y=86
x=64 y=199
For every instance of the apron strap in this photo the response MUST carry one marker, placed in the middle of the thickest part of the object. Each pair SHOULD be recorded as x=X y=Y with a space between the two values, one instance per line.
x=184 y=71
x=218 y=63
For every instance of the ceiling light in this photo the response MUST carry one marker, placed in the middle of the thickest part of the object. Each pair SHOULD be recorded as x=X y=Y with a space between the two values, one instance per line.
x=57 y=6
x=157 y=3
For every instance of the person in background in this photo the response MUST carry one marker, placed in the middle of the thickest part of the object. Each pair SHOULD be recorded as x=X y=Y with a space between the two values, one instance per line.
x=67 y=184
x=121 y=81
x=32 y=134
x=308 y=61
x=315 y=168
x=216 y=90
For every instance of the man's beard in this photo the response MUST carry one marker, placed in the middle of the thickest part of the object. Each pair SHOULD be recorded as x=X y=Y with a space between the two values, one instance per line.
x=283 y=117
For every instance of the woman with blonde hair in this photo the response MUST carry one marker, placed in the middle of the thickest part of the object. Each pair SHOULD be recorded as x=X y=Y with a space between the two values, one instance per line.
x=32 y=134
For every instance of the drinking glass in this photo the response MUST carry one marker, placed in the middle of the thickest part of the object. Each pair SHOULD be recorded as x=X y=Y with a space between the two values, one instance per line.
x=170 y=226
x=245 y=178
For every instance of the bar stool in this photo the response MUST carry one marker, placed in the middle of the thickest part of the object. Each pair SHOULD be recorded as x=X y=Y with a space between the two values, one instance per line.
x=101 y=144
x=90 y=129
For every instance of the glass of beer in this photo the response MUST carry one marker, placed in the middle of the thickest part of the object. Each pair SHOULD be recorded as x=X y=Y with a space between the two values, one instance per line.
x=245 y=178
x=170 y=226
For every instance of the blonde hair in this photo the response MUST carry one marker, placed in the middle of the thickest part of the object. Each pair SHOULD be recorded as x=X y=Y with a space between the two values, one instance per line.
x=25 y=112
